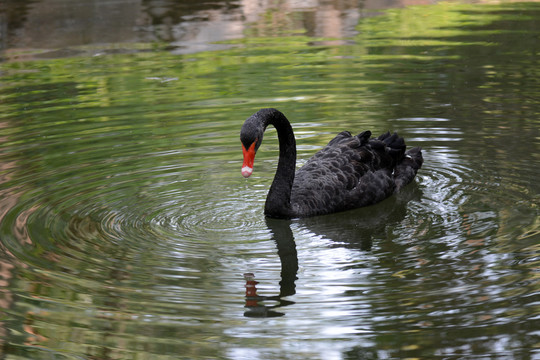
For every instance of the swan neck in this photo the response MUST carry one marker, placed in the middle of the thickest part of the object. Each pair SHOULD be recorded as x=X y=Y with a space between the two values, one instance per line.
x=278 y=201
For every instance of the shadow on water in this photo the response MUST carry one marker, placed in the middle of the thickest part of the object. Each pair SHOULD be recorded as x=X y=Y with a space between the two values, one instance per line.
x=354 y=229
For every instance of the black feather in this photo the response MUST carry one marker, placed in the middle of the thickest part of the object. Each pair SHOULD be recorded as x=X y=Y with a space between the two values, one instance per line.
x=349 y=172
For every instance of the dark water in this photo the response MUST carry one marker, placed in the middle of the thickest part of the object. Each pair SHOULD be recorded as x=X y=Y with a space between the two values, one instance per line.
x=126 y=226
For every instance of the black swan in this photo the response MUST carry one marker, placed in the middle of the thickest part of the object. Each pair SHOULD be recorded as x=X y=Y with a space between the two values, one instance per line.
x=349 y=172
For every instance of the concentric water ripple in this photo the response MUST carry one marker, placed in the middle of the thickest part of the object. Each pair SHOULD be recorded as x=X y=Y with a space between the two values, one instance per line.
x=126 y=227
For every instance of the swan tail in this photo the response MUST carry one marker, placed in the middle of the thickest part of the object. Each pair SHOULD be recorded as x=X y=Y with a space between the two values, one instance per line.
x=406 y=170
x=395 y=145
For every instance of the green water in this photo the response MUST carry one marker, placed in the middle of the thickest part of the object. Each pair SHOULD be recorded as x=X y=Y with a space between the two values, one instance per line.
x=126 y=226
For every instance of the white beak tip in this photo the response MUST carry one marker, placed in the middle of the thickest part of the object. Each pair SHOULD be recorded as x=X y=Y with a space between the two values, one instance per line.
x=247 y=171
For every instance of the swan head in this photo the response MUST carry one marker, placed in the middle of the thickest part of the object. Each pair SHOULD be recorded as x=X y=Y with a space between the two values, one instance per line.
x=251 y=137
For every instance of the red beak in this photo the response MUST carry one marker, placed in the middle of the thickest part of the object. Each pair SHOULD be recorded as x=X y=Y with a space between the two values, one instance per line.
x=249 y=158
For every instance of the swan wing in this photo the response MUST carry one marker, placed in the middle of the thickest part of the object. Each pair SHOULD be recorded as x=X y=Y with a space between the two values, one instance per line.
x=351 y=171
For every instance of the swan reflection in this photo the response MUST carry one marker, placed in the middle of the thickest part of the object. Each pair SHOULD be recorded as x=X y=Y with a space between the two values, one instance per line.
x=357 y=228
x=352 y=229
x=283 y=236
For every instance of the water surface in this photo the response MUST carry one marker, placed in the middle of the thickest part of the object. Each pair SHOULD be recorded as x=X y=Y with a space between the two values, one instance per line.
x=126 y=227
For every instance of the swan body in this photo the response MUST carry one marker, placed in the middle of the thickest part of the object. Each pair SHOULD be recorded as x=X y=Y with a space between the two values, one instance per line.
x=349 y=172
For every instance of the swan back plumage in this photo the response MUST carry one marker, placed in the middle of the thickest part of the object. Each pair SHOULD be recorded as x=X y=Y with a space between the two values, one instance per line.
x=350 y=172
